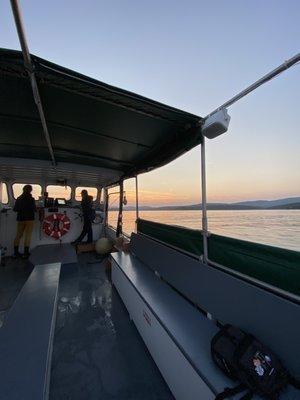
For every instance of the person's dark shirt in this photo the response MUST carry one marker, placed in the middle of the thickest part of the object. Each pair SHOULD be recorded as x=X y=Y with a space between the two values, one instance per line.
x=25 y=207
x=87 y=208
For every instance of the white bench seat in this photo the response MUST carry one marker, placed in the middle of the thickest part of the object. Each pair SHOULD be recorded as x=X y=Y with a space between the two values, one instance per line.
x=188 y=328
x=27 y=335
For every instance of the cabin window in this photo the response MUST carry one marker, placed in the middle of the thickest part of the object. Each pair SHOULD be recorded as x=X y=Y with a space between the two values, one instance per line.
x=3 y=193
x=18 y=190
x=92 y=191
x=59 y=192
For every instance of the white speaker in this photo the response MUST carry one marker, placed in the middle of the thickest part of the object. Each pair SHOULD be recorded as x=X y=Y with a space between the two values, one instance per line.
x=216 y=124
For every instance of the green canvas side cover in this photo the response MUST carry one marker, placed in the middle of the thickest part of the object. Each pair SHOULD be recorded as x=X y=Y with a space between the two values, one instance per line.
x=275 y=266
x=189 y=240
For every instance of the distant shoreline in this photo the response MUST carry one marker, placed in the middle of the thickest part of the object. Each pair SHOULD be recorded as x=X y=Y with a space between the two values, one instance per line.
x=209 y=209
x=292 y=203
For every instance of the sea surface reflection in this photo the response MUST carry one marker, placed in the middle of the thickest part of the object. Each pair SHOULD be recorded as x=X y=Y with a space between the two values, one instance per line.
x=279 y=228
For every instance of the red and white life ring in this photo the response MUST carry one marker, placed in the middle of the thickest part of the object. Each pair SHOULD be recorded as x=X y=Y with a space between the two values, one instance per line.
x=56 y=225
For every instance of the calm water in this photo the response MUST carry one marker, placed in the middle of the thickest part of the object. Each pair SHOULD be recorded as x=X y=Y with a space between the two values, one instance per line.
x=279 y=228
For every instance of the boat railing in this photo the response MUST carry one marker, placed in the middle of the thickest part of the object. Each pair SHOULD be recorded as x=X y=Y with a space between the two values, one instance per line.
x=276 y=270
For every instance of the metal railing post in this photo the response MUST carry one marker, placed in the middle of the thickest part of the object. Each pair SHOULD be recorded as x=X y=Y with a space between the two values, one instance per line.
x=204 y=204
x=106 y=199
x=136 y=202
x=120 y=215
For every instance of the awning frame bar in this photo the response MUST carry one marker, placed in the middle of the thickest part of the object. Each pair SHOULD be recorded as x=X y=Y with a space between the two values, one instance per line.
x=29 y=66
x=286 y=65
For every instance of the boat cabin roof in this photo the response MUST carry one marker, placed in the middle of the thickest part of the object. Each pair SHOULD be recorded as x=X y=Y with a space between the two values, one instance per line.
x=90 y=123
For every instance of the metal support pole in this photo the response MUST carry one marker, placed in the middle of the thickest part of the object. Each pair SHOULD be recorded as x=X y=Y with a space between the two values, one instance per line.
x=120 y=215
x=136 y=202
x=204 y=208
x=286 y=65
x=106 y=199
x=30 y=70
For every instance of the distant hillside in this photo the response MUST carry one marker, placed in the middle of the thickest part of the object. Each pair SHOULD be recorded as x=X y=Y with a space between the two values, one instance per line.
x=210 y=206
x=270 y=203
x=291 y=203
x=293 y=206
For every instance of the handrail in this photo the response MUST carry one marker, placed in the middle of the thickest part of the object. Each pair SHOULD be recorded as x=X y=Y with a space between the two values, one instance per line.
x=252 y=280
x=274 y=289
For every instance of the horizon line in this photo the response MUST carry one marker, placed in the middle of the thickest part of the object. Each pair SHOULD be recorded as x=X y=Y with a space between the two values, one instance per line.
x=215 y=202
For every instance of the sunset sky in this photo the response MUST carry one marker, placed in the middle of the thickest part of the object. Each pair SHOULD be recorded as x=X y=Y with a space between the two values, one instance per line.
x=193 y=55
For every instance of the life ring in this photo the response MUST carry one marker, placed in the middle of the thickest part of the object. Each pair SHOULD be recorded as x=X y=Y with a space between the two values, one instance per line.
x=56 y=225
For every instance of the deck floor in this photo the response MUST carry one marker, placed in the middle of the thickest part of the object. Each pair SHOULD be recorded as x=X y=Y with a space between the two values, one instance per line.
x=12 y=278
x=98 y=353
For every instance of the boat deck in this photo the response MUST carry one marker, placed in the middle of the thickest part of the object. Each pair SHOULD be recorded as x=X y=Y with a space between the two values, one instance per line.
x=97 y=351
x=12 y=278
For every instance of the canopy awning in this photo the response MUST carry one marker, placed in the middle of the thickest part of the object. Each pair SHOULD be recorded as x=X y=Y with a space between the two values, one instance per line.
x=90 y=122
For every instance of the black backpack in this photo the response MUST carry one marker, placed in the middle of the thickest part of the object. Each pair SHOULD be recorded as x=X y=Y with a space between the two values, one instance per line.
x=243 y=358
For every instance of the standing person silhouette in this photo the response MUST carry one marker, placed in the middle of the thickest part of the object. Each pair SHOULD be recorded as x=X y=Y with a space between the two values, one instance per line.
x=25 y=208
x=87 y=211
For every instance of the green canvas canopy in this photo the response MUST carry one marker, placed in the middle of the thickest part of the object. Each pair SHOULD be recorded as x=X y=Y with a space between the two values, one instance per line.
x=90 y=123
